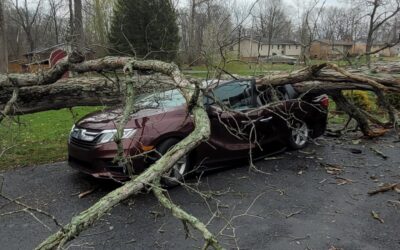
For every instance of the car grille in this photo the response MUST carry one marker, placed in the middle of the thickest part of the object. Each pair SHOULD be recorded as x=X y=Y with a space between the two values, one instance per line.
x=84 y=138
x=82 y=143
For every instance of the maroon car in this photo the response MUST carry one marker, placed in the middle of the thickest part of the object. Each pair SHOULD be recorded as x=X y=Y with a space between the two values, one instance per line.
x=162 y=120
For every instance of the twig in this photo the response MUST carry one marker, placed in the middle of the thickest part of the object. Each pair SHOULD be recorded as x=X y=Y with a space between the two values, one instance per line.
x=28 y=208
x=379 y=153
x=385 y=188
x=185 y=217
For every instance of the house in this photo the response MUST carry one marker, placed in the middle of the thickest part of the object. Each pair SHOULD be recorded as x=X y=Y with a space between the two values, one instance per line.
x=325 y=49
x=39 y=59
x=360 y=48
x=252 y=48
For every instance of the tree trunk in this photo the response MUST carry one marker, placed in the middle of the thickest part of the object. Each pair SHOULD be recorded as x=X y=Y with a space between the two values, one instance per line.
x=3 y=41
x=79 y=36
x=353 y=112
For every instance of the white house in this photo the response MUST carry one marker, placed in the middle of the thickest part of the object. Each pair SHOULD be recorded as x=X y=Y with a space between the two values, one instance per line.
x=252 y=48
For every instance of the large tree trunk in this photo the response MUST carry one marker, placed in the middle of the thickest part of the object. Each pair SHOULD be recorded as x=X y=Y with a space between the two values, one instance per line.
x=3 y=41
x=79 y=36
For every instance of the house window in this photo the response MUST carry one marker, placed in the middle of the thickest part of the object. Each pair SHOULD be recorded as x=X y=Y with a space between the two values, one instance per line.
x=289 y=46
x=278 y=46
x=297 y=46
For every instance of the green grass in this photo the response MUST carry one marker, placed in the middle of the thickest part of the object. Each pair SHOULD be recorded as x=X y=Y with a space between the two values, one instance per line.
x=37 y=138
x=249 y=68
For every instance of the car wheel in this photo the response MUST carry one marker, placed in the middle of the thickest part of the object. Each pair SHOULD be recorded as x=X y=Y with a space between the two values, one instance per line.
x=299 y=134
x=178 y=172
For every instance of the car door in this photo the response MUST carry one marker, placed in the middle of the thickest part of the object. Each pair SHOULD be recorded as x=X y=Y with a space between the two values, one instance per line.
x=230 y=131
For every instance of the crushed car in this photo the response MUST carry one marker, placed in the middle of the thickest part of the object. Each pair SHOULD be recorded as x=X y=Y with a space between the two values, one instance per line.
x=242 y=118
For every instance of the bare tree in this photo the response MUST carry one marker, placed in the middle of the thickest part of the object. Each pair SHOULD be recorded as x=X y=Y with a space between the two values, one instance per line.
x=379 y=13
x=55 y=7
x=79 y=36
x=3 y=41
x=26 y=19
x=307 y=32
x=271 y=19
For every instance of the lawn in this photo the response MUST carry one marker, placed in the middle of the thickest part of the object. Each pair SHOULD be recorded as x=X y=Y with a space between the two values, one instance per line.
x=252 y=68
x=37 y=138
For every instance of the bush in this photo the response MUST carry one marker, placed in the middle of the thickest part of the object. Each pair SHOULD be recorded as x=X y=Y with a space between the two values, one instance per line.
x=361 y=99
x=394 y=100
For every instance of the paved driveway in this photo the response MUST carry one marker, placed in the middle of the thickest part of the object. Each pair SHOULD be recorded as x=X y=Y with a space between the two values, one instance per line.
x=294 y=204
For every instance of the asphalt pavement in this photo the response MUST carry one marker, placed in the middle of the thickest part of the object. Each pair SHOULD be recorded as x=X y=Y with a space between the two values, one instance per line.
x=316 y=198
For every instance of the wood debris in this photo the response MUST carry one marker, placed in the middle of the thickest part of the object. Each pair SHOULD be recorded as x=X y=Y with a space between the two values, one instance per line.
x=386 y=187
x=343 y=181
x=379 y=153
x=332 y=169
x=87 y=192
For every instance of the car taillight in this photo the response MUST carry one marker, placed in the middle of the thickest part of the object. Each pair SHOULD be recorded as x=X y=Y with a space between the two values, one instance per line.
x=323 y=100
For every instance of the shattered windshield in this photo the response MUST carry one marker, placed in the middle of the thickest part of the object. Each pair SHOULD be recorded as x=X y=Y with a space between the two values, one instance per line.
x=166 y=99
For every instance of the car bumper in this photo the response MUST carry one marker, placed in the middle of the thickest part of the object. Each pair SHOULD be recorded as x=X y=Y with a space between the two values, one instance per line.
x=98 y=161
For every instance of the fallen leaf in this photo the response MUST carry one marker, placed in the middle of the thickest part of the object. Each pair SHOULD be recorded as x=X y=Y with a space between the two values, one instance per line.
x=375 y=215
x=342 y=181
x=333 y=169
x=356 y=142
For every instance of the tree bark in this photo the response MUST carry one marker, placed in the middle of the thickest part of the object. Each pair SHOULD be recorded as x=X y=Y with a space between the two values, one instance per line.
x=353 y=112
x=79 y=36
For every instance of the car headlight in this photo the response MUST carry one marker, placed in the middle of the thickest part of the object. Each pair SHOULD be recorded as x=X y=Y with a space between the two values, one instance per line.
x=109 y=134
x=70 y=133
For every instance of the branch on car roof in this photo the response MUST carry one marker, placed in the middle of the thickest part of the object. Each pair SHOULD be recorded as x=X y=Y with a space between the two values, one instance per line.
x=200 y=133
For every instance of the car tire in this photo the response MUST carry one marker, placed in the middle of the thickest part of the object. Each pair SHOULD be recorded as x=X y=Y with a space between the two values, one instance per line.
x=179 y=171
x=299 y=134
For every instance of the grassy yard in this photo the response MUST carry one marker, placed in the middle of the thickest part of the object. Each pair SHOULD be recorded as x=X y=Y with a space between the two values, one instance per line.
x=37 y=138
x=256 y=69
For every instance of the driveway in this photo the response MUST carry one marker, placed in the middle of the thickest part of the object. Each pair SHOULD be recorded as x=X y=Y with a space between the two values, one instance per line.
x=312 y=199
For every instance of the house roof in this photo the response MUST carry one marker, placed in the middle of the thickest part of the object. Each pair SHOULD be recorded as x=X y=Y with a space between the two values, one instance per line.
x=335 y=42
x=264 y=40
x=53 y=47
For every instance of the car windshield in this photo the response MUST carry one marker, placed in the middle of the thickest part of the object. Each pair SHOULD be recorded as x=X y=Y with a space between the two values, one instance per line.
x=235 y=95
x=166 y=99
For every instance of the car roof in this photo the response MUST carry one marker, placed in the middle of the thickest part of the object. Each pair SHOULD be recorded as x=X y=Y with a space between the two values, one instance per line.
x=212 y=83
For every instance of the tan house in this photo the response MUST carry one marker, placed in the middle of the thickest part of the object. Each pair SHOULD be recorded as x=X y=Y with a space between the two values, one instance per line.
x=253 y=48
x=327 y=49
x=360 y=48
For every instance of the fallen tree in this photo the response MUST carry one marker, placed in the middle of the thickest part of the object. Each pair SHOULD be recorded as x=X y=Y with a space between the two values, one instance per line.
x=32 y=93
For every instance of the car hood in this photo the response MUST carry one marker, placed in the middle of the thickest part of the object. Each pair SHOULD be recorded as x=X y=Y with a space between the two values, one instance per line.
x=108 y=119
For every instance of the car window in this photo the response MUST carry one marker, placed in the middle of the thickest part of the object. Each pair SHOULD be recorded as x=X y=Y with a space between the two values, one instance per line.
x=235 y=95
x=166 y=99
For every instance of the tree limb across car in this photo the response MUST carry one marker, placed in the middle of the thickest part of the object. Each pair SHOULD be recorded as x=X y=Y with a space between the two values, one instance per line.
x=22 y=93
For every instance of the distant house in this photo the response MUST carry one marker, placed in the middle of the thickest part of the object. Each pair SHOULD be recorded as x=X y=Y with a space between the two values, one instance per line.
x=327 y=49
x=253 y=48
x=39 y=59
x=360 y=48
